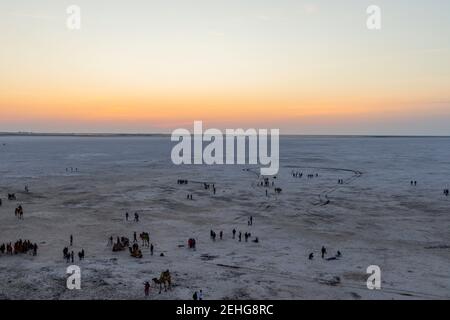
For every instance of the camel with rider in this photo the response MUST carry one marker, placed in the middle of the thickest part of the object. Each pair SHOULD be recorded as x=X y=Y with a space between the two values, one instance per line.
x=164 y=278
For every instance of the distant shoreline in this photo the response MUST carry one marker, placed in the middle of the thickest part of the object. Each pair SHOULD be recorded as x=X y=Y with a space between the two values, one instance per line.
x=87 y=135
x=116 y=135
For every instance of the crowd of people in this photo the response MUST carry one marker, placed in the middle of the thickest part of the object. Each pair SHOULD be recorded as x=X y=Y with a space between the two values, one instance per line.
x=19 y=246
x=247 y=235
x=297 y=174
x=69 y=255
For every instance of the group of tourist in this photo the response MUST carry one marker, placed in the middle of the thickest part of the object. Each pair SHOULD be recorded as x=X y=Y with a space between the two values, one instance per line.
x=296 y=174
x=323 y=253
x=19 y=247
x=265 y=182
x=136 y=216
x=70 y=256
x=208 y=186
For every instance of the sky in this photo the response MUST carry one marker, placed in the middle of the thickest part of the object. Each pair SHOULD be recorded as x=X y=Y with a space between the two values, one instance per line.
x=305 y=67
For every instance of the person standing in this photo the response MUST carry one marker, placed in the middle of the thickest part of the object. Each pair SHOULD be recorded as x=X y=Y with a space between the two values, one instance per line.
x=146 y=288
x=324 y=251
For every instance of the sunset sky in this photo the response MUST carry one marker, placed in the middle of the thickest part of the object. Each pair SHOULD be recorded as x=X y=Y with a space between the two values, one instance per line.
x=306 y=67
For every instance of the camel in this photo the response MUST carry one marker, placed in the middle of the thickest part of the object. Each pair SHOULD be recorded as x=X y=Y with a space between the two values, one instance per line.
x=117 y=247
x=135 y=252
x=120 y=245
x=164 y=277
x=145 y=237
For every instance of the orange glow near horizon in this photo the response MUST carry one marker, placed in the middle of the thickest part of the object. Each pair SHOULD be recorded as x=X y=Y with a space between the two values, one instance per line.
x=148 y=68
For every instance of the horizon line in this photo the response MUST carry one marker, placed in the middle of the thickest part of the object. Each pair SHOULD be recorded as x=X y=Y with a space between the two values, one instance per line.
x=156 y=134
